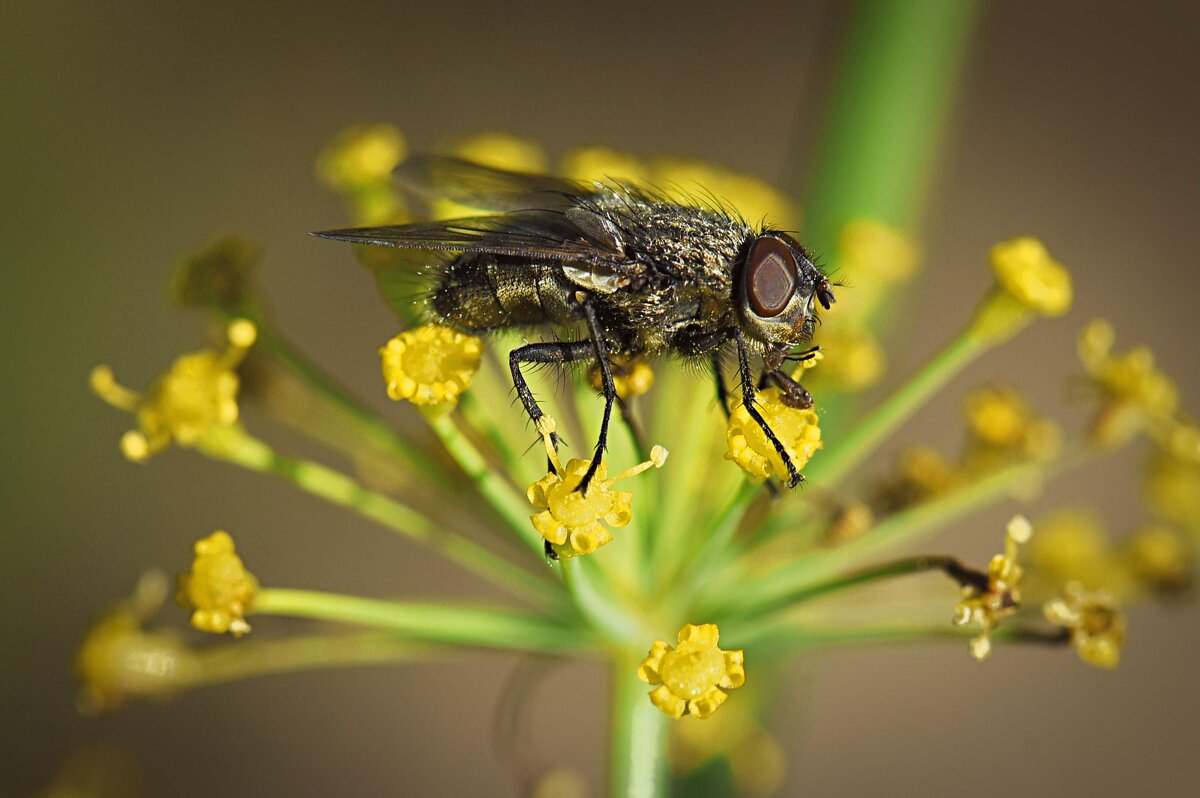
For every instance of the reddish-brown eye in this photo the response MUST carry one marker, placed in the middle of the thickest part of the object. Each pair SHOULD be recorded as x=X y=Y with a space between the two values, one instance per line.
x=771 y=276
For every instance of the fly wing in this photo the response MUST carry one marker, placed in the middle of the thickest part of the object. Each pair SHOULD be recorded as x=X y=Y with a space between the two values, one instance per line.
x=538 y=235
x=485 y=188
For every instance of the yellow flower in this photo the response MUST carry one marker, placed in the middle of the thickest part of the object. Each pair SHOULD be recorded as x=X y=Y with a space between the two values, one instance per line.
x=430 y=364
x=986 y=607
x=1025 y=269
x=631 y=377
x=361 y=156
x=922 y=474
x=1095 y=621
x=1073 y=546
x=602 y=164
x=216 y=275
x=218 y=588
x=695 y=675
x=877 y=252
x=1135 y=394
x=757 y=761
x=853 y=359
x=197 y=394
x=580 y=521
x=118 y=658
x=749 y=447
x=1002 y=424
x=1172 y=489
x=1028 y=283
x=685 y=180
x=501 y=151
x=1161 y=558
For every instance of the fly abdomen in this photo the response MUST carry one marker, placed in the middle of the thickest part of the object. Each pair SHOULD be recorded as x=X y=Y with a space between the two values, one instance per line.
x=480 y=292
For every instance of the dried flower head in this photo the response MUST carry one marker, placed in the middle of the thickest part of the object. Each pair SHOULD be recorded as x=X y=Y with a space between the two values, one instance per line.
x=985 y=606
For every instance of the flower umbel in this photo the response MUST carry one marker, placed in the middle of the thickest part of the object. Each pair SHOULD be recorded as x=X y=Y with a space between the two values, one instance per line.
x=430 y=365
x=986 y=605
x=695 y=675
x=1095 y=622
x=218 y=588
x=198 y=393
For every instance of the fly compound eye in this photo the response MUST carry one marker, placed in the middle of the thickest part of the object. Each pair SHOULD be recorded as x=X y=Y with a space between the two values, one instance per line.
x=771 y=277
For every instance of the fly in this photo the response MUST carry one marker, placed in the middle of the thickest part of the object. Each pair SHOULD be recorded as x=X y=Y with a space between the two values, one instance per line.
x=643 y=274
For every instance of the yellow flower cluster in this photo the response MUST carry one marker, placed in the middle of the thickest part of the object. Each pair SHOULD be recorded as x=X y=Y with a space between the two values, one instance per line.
x=1096 y=624
x=119 y=658
x=749 y=447
x=687 y=181
x=856 y=360
x=218 y=589
x=693 y=676
x=573 y=521
x=358 y=164
x=198 y=393
x=922 y=473
x=631 y=376
x=1003 y=425
x=986 y=607
x=430 y=365
x=1135 y=394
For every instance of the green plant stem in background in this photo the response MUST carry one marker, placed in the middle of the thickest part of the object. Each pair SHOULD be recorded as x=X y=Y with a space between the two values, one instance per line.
x=427 y=622
x=889 y=102
x=862 y=440
x=251 y=658
x=232 y=445
x=638 y=754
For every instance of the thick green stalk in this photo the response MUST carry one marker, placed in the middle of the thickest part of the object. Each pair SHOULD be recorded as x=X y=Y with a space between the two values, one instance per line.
x=889 y=102
x=638 y=755
x=428 y=622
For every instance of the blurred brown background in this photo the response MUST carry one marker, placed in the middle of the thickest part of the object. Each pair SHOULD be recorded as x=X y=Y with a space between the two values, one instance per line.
x=133 y=131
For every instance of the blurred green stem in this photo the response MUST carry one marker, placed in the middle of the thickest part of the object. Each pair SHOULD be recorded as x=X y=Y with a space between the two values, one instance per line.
x=639 y=730
x=889 y=102
x=233 y=445
x=427 y=622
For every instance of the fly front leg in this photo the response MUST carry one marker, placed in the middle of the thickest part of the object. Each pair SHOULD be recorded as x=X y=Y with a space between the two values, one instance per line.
x=749 y=399
x=791 y=392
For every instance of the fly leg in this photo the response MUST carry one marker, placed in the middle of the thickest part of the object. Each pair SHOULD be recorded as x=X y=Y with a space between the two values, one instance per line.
x=748 y=401
x=792 y=393
x=551 y=352
x=608 y=388
x=722 y=391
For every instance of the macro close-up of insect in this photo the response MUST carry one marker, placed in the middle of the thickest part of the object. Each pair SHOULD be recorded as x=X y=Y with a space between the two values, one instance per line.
x=644 y=274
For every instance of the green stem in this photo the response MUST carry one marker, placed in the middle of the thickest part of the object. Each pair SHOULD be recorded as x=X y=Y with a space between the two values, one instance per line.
x=596 y=602
x=351 y=414
x=806 y=637
x=249 y=659
x=746 y=592
x=512 y=506
x=881 y=135
x=866 y=435
x=638 y=756
x=767 y=618
x=426 y=621
x=232 y=445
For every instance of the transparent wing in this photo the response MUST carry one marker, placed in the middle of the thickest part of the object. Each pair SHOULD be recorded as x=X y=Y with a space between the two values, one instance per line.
x=537 y=235
x=478 y=186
